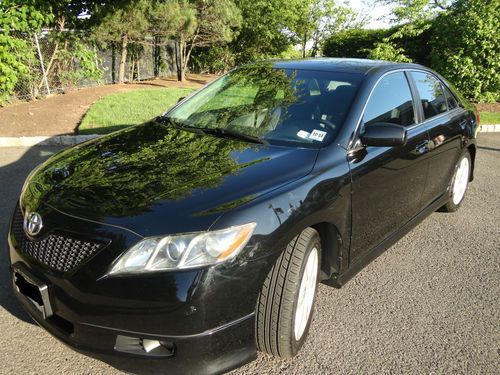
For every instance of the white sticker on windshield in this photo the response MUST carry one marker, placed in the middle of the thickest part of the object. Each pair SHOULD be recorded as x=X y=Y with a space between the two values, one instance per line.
x=303 y=134
x=317 y=135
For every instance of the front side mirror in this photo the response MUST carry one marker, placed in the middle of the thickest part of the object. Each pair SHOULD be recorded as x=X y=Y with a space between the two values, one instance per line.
x=384 y=134
x=181 y=99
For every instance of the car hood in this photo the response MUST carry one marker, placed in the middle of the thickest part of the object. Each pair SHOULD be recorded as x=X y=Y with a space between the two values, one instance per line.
x=156 y=179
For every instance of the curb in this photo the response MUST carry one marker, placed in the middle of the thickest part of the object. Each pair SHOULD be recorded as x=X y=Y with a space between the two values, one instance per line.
x=490 y=128
x=71 y=140
x=59 y=140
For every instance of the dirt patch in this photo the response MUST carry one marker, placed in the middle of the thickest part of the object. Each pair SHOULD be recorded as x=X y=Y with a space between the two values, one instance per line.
x=61 y=114
x=488 y=107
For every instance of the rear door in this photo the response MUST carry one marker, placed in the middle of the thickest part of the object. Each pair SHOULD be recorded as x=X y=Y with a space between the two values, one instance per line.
x=446 y=123
x=388 y=182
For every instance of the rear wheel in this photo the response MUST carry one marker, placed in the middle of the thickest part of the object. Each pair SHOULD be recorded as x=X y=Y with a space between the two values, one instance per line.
x=459 y=183
x=285 y=304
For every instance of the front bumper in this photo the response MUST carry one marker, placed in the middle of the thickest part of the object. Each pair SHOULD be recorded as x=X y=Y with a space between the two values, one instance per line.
x=206 y=316
x=210 y=352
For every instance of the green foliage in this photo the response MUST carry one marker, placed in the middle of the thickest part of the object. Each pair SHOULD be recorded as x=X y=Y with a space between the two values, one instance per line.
x=266 y=28
x=216 y=24
x=27 y=16
x=128 y=108
x=318 y=20
x=458 y=39
x=87 y=64
x=290 y=53
x=171 y=18
x=217 y=21
x=387 y=50
x=471 y=57
x=415 y=17
x=216 y=59
x=130 y=20
x=353 y=42
x=16 y=55
x=65 y=13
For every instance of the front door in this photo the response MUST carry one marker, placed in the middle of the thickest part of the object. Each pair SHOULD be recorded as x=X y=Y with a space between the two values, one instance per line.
x=388 y=182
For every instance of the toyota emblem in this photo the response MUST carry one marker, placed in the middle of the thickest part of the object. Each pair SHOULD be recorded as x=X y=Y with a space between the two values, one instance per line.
x=33 y=223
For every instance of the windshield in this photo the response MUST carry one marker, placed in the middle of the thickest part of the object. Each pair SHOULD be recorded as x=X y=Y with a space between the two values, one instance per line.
x=278 y=106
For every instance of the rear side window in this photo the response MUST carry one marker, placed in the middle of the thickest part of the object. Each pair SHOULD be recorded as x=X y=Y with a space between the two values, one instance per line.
x=450 y=99
x=431 y=94
x=391 y=102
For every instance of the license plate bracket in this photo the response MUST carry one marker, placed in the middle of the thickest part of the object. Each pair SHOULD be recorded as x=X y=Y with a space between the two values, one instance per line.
x=34 y=290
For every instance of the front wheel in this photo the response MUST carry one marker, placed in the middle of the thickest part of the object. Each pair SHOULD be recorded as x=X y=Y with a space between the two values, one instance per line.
x=459 y=183
x=285 y=304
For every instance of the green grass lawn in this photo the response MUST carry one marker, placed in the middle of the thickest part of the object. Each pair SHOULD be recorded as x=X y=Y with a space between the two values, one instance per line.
x=490 y=117
x=123 y=109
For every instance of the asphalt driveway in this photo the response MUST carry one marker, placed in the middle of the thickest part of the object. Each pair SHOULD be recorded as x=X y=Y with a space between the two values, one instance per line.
x=431 y=304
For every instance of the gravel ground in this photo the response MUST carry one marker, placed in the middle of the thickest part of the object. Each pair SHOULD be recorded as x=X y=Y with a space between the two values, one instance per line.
x=431 y=304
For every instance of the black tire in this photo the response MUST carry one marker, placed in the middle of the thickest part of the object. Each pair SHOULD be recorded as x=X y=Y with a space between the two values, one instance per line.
x=451 y=206
x=277 y=302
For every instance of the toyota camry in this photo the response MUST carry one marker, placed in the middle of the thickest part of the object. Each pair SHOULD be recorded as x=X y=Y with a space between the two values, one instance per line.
x=188 y=243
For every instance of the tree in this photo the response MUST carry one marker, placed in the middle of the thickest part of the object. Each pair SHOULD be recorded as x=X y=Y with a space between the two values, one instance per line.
x=122 y=25
x=168 y=20
x=353 y=42
x=415 y=17
x=64 y=16
x=16 y=54
x=216 y=23
x=471 y=57
x=318 y=20
x=266 y=29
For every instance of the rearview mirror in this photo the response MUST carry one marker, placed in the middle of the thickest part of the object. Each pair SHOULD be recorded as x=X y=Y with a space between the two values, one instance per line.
x=384 y=134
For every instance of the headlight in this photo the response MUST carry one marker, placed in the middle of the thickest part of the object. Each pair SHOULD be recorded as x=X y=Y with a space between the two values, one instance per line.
x=184 y=251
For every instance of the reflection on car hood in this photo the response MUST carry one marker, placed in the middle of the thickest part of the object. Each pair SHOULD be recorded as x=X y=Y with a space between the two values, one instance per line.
x=155 y=179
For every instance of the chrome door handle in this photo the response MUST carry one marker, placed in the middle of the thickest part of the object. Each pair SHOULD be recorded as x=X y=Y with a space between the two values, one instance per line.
x=423 y=147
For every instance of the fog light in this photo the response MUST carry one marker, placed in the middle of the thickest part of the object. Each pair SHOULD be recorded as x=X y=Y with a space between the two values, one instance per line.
x=144 y=347
x=150 y=345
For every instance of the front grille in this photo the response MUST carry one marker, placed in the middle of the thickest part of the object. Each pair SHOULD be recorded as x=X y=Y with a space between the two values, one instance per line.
x=59 y=252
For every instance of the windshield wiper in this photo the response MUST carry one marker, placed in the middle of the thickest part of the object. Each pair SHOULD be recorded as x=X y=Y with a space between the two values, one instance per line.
x=235 y=135
x=221 y=132
x=181 y=125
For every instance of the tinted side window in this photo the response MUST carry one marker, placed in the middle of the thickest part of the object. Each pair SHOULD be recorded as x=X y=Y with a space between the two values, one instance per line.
x=391 y=101
x=431 y=94
x=450 y=99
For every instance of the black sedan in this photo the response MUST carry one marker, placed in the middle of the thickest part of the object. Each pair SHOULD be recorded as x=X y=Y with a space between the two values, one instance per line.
x=188 y=243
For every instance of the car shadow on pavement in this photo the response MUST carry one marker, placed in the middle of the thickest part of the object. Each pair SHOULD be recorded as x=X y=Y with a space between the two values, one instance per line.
x=15 y=165
x=488 y=148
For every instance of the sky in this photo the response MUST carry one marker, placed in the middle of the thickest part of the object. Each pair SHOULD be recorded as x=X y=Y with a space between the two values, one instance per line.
x=379 y=15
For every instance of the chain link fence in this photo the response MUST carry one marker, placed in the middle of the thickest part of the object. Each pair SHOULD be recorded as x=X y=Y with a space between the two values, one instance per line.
x=65 y=60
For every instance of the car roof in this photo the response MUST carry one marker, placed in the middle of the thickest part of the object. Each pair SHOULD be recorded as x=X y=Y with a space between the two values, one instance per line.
x=347 y=65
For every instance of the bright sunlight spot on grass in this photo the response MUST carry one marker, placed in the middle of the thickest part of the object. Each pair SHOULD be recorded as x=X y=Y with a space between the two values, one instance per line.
x=117 y=111
x=490 y=118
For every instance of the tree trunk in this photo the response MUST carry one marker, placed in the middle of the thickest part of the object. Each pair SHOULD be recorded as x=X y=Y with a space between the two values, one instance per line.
x=179 y=58
x=156 y=57
x=113 y=62
x=60 y=28
x=123 y=59
x=304 y=43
